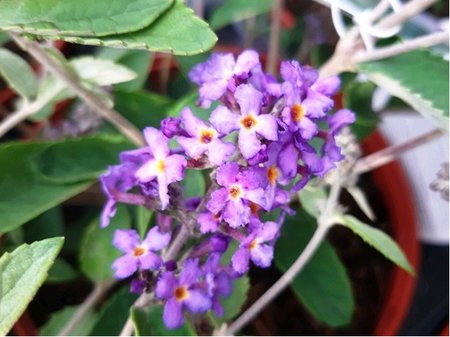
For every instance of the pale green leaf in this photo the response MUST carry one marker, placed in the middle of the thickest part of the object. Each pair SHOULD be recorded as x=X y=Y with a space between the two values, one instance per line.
x=143 y=218
x=361 y=201
x=377 y=239
x=21 y=274
x=60 y=318
x=97 y=252
x=312 y=199
x=18 y=74
x=177 y=31
x=80 y=17
x=238 y=10
x=322 y=286
x=419 y=78
x=24 y=194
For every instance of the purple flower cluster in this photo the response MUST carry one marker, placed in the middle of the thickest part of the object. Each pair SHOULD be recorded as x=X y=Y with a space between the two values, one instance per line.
x=259 y=146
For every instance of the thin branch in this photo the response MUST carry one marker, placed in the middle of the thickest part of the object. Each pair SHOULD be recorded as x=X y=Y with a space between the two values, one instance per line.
x=15 y=118
x=91 y=100
x=402 y=47
x=391 y=153
x=99 y=291
x=409 y=9
x=274 y=39
x=199 y=7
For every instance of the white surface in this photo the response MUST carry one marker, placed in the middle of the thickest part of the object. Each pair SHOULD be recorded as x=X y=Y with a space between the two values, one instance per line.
x=421 y=165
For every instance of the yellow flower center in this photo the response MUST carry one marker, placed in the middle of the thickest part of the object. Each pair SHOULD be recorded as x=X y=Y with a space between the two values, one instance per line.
x=273 y=174
x=248 y=122
x=181 y=293
x=253 y=244
x=160 y=166
x=297 y=112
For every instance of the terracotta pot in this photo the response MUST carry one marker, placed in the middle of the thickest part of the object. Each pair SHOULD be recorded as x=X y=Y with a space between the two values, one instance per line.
x=395 y=189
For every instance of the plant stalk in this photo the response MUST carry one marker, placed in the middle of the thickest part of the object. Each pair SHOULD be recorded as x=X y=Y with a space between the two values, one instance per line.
x=274 y=39
x=91 y=100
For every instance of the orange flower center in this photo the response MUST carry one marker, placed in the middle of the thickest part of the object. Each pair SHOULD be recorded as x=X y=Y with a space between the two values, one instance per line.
x=254 y=208
x=235 y=192
x=216 y=217
x=253 y=244
x=181 y=293
x=206 y=136
x=248 y=122
x=273 y=174
x=138 y=251
x=297 y=112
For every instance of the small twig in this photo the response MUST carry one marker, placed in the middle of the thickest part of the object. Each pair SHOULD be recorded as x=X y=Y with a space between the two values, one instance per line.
x=409 y=9
x=390 y=153
x=274 y=39
x=325 y=221
x=99 y=291
x=199 y=7
x=87 y=96
x=20 y=115
x=402 y=47
x=249 y=32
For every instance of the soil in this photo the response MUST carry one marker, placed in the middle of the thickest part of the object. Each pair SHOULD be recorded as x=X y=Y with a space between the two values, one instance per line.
x=368 y=271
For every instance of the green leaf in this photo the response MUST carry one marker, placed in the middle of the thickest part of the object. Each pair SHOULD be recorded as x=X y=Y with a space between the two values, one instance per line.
x=101 y=72
x=149 y=323
x=378 y=240
x=24 y=194
x=46 y=225
x=232 y=304
x=312 y=199
x=323 y=285
x=89 y=157
x=142 y=108
x=97 y=252
x=22 y=273
x=177 y=31
x=357 y=97
x=18 y=74
x=113 y=316
x=237 y=10
x=194 y=184
x=61 y=271
x=143 y=217
x=139 y=61
x=419 y=78
x=80 y=17
x=60 y=318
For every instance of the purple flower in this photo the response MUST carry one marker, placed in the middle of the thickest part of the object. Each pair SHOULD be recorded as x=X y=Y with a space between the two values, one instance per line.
x=163 y=167
x=208 y=222
x=170 y=127
x=186 y=291
x=220 y=72
x=250 y=123
x=256 y=247
x=203 y=139
x=138 y=254
x=232 y=200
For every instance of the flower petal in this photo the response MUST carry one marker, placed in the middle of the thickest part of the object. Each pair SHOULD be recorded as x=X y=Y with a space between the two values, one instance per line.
x=262 y=255
x=155 y=240
x=108 y=212
x=249 y=144
x=150 y=261
x=190 y=272
x=192 y=124
x=192 y=146
x=207 y=223
x=213 y=90
x=125 y=266
x=198 y=301
x=246 y=61
x=224 y=120
x=174 y=168
x=147 y=172
x=163 y=191
x=307 y=128
x=240 y=260
x=219 y=151
x=236 y=213
x=268 y=231
x=173 y=314
x=166 y=286
x=157 y=142
x=217 y=200
x=267 y=127
x=226 y=174
x=249 y=99
x=126 y=239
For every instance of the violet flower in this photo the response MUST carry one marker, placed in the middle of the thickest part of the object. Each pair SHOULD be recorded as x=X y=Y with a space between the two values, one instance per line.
x=250 y=123
x=182 y=292
x=232 y=200
x=203 y=139
x=138 y=254
x=163 y=167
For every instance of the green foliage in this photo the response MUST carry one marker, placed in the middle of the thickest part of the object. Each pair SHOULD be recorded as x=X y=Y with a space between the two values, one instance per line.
x=97 y=254
x=24 y=194
x=237 y=10
x=312 y=199
x=378 y=240
x=323 y=285
x=143 y=218
x=148 y=322
x=80 y=17
x=18 y=74
x=419 y=78
x=88 y=158
x=194 y=184
x=60 y=318
x=61 y=271
x=46 y=225
x=22 y=273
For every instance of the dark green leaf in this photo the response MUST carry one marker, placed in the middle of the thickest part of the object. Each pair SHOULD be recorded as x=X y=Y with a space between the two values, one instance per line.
x=75 y=160
x=177 y=31
x=23 y=193
x=378 y=240
x=58 y=320
x=323 y=285
x=149 y=322
x=143 y=217
x=18 y=74
x=194 y=183
x=61 y=271
x=46 y=225
x=419 y=78
x=237 y=10
x=97 y=251
x=80 y=17
x=115 y=313
x=22 y=273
